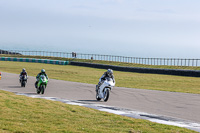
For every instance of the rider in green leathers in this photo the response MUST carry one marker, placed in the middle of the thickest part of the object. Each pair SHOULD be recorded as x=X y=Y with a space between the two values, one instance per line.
x=37 y=77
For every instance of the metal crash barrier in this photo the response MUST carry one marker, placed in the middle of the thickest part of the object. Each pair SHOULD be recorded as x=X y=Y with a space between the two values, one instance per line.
x=33 y=60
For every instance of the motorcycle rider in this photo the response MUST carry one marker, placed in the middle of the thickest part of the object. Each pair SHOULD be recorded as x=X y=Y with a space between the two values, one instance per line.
x=108 y=73
x=23 y=73
x=37 y=77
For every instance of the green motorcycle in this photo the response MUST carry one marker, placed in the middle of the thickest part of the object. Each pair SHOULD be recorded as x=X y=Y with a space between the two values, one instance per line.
x=42 y=84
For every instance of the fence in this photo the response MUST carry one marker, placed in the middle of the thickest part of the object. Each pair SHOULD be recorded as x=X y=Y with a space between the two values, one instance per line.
x=136 y=60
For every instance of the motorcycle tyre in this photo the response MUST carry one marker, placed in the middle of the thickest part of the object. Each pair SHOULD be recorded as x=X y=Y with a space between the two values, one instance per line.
x=97 y=97
x=38 y=90
x=107 y=93
x=42 y=89
x=22 y=83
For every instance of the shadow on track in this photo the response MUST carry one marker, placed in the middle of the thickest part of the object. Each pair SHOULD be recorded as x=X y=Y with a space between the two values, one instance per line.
x=14 y=87
x=89 y=101
x=31 y=93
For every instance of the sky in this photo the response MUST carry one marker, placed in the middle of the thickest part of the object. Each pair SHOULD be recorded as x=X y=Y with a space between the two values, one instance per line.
x=136 y=28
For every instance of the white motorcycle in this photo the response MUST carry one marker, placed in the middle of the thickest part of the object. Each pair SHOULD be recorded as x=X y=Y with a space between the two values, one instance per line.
x=104 y=90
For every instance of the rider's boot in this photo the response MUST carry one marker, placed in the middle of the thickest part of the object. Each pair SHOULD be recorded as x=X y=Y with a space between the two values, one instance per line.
x=97 y=87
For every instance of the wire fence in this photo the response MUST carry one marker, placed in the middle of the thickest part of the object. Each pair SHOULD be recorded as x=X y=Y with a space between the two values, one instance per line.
x=114 y=58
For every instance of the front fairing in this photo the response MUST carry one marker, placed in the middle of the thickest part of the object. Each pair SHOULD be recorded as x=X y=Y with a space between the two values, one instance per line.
x=109 y=82
x=42 y=80
x=24 y=77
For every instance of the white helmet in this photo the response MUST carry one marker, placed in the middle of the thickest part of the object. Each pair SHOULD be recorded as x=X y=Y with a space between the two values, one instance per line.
x=23 y=70
x=110 y=71
x=43 y=71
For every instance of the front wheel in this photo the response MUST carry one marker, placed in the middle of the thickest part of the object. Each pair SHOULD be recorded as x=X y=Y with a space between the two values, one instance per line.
x=42 y=89
x=23 y=83
x=106 y=95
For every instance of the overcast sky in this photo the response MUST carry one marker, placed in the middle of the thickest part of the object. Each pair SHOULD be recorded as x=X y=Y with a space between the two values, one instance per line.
x=142 y=28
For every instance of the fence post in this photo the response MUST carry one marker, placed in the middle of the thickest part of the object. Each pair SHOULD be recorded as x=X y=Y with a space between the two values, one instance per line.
x=178 y=63
x=196 y=62
x=181 y=62
x=192 y=62
x=136 y=60
x=188 y=62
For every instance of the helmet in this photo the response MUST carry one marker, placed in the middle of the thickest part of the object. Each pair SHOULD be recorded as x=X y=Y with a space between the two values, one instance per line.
x=110 y=71
x=43 y=71
x=23 y=70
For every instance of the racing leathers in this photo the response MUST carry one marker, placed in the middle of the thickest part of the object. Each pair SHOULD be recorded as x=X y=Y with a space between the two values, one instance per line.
x=37 y=77
x=23 y=73
x=103 y=78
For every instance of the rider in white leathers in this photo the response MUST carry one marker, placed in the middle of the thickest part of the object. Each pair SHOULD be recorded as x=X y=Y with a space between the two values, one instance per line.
x=108 y=73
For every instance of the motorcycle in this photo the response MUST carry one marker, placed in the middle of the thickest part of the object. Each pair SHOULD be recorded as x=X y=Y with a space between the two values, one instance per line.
x=42 y=84
x=103 y=91
x=23 y=80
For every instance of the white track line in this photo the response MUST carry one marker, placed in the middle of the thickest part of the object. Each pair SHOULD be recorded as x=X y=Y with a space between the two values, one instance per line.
x=125 y=112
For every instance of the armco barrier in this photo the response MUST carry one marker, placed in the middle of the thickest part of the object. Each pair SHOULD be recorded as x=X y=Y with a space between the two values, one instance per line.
x=178 y=72
x=46 y=61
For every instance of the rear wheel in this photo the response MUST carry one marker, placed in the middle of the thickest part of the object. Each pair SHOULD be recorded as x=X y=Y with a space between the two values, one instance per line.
x=38 y=91
x=97 y=96
x=106 y=95
x=98 y=99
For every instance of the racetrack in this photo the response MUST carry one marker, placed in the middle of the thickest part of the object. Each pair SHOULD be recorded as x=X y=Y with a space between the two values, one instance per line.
x=178 y=105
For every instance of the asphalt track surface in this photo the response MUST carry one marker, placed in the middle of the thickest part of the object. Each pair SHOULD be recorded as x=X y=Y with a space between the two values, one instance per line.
x=177 y=105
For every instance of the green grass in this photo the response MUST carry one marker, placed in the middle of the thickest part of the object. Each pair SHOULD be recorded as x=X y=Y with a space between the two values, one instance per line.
x=92 y=75
x=107 y=62
x=20 y=114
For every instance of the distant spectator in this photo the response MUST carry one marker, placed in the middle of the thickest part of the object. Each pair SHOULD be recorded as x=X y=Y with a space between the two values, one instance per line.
x=74 y=54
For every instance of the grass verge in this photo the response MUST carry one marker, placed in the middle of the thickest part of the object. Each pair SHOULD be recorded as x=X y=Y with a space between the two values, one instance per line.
x=22 y=114
x=123 y=79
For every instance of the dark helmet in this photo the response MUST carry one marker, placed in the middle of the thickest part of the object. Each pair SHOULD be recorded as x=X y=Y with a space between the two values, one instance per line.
x=110 y=71
x=42 y=71
x=23 y=70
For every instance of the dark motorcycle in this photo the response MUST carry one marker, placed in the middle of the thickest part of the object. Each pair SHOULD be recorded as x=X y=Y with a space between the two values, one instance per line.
x=23 y=80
